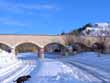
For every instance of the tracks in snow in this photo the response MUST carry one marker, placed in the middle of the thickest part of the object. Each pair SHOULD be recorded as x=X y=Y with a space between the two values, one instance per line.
x=103 y=76
x=23 y=69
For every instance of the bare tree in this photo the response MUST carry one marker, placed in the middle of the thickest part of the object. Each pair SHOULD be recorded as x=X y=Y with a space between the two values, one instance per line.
x=69 y=39
x=102 y=43
x=102 y=40
x=76 y=43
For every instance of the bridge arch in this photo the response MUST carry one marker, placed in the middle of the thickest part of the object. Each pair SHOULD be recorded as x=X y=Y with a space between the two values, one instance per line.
x=54 y=47
x=22 y=42
x=5 y=47
x=26 y=47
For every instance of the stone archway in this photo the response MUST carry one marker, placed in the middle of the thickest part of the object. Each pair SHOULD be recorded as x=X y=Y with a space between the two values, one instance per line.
x=54 y=47
x=26 y=47
x=5 y=47
x=54 y=50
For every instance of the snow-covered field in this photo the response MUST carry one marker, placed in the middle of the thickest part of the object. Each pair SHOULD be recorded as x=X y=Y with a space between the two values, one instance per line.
x=90 y=63
x=81 y=68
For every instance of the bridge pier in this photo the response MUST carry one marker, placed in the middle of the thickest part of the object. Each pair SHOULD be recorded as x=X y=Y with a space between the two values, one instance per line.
x=41 y=53
x=13 y=51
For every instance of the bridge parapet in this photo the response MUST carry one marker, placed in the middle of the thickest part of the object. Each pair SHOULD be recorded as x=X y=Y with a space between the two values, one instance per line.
x=39 y=40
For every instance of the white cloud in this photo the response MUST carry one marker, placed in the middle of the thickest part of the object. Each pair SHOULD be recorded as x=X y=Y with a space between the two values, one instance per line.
x=36 y=6
x=12 y=22
x=17 y=7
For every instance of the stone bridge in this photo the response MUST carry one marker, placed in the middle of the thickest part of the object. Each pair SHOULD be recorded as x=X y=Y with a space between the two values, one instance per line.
x=40 y=41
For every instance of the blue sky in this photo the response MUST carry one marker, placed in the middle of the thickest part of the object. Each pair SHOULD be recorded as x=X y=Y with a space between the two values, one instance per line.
x=50 y=16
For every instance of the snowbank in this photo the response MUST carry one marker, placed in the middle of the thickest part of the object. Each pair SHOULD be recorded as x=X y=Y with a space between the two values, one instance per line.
x=6 y=59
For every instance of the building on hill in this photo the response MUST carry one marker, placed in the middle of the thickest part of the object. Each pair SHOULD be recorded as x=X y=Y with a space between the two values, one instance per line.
x=98 y=29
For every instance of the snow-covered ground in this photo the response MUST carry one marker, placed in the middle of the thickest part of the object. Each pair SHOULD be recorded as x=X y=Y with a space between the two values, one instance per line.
x=90 y=62
x=6 y=59
x=92 y=59
x=81 y=68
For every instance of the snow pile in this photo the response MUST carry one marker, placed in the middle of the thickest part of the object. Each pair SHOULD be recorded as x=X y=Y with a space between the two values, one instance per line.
x=6 y=59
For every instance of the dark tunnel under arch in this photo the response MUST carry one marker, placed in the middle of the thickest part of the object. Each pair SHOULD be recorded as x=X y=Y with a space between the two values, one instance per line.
x=26 y=47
